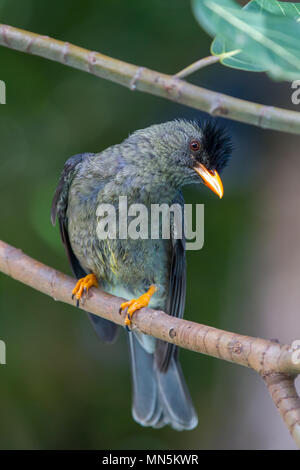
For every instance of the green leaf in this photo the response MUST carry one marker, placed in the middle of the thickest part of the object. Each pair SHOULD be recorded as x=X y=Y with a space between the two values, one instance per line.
x=288 y=9
x=241 y=61
x=265 y=41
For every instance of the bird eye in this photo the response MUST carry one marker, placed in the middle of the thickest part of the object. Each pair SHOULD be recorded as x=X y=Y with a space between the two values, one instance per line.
x=195 y=145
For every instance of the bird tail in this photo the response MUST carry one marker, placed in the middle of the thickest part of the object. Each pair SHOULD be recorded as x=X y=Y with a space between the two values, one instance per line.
x=159 y=398
x=106 y=330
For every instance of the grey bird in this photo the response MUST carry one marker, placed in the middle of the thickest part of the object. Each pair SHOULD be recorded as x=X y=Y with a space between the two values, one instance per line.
x=149 y=167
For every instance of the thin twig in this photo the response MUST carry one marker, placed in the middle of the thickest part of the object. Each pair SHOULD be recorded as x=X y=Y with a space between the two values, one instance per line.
x=273 y=361
x=149 y=81
x=195 y=66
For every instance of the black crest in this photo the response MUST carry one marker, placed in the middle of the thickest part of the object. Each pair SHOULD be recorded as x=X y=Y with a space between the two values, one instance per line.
x=217 y=145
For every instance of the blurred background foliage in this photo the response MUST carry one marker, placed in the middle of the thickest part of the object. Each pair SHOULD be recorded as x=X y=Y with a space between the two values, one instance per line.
x=62 y=388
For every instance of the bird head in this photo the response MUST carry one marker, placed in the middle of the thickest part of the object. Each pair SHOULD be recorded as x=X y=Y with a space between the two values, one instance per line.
x=182 y=152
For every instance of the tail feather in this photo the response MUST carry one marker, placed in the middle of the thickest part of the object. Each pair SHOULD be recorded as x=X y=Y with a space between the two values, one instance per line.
x=145 y=407
x=159 y=398
x=105 y=329
x=177 y=403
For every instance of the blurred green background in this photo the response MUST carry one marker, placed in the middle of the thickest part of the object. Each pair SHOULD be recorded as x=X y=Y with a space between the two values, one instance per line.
x=61 y=388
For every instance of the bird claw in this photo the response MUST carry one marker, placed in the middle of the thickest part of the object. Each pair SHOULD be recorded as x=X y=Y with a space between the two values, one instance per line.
x=136 y=304
x=82 y=287
x=127 y=326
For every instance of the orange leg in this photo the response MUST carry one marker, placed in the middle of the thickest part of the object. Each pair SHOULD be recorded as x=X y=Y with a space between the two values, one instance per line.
x=135 y=304
x=83 y=285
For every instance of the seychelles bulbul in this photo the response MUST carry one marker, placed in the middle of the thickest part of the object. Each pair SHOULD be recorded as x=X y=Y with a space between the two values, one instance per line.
x=149 y=167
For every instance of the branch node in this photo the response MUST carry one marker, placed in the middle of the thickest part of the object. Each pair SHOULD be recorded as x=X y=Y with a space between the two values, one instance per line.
x=172 y=333
x=135 y=78
x=52 y=284
x=4 y=29
x=92 y=59
x=217 y=108
x=237 y=348
x=65 y=52
x=264 y=115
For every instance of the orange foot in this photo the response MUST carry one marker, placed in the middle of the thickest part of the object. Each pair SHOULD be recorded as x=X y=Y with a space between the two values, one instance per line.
x=135 y=304
x=83 y=285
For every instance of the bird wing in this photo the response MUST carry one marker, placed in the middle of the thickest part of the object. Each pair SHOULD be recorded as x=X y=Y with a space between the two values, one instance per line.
x=105 y=329
x=60 y=205
x=176 y=293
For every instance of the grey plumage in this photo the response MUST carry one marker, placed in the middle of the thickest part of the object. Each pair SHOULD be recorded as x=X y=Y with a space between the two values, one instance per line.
x=105 y=329
x=149 y=167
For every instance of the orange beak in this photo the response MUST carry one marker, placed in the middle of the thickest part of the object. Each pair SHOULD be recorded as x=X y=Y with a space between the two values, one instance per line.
x=211 y=179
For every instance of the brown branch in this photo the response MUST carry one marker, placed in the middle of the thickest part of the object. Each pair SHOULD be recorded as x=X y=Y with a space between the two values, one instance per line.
x=273 y=361
x=284 y=395
x=150 y=81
